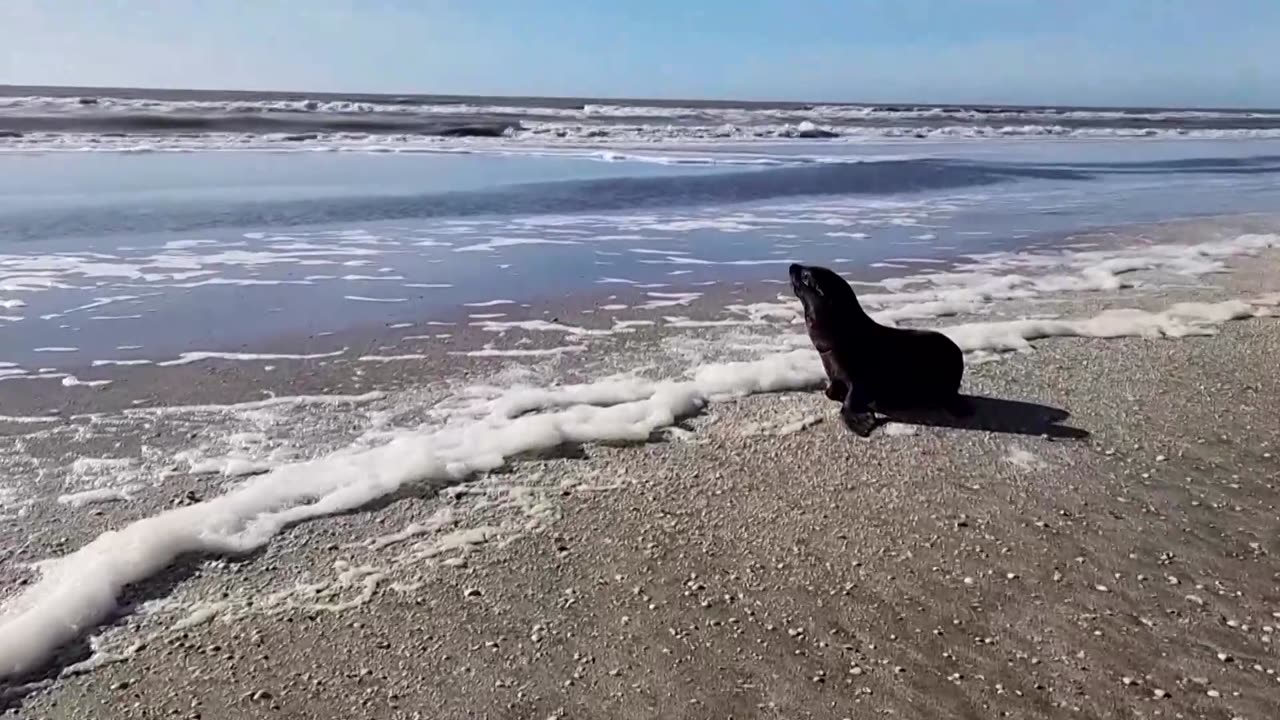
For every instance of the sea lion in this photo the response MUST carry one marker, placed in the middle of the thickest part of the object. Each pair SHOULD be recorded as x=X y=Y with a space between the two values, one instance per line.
x=871 y=366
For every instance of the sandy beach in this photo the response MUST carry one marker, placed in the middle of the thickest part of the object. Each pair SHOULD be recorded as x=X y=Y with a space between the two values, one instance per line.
x=1097 y=543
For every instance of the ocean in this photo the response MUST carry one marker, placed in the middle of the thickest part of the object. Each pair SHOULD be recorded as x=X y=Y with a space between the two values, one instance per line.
x=138 y=225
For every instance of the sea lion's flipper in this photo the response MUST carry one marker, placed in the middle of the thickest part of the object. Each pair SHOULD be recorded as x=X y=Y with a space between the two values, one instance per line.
x=836 y=388
x=856 y=412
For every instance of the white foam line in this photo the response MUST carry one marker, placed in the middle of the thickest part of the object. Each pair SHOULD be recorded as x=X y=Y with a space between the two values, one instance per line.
x=99 y=465
x=98 y=496
x=538 y=352
x=501 y=242
x=73 y=381
x=687 y=323
x=1180 y=320
x=361 y=298
x=392 y=358
x=441 y=519
x=540 y=326
x=29 y=419
x=253 y=405
x=661 y=300
x=489 y=303
x=202 y=355
x=97 y=303
x=228 y=466
x=650 y=251
x=55 y=349
x=100 y=363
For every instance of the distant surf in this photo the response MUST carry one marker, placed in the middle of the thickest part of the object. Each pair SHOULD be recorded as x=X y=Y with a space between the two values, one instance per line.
x=41 y=118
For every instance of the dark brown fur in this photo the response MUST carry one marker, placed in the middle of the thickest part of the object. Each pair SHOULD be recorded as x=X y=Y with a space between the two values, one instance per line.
x=871 y=366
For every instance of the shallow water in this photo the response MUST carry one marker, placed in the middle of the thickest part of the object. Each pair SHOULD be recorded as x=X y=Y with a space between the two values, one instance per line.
x=107 y=256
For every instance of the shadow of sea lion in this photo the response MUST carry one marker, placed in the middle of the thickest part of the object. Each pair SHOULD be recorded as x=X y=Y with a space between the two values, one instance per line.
x=996 y=415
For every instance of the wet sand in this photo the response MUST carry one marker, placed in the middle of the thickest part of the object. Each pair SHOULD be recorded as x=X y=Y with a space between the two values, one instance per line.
x=1099 y=542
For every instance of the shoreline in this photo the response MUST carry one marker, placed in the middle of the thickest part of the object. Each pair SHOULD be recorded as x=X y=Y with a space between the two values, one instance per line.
x=493 y=559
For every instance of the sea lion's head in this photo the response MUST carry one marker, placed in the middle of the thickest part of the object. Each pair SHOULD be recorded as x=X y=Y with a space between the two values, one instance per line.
x=819 y=288
x=828 y=301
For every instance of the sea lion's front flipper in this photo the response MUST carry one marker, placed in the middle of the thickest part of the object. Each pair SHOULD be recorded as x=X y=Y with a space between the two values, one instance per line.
x=856 y=411
x=836 y=389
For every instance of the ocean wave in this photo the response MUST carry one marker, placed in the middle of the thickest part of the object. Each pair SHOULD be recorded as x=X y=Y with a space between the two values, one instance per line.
x=286 y=127
x=535 y=107
x=186 y=111
x=608 y=143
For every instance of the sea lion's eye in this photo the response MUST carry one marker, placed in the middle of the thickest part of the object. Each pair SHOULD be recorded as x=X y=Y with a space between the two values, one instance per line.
x=813 y=283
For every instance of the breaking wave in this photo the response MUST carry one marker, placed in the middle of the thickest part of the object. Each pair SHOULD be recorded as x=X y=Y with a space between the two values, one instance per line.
x=42 y=120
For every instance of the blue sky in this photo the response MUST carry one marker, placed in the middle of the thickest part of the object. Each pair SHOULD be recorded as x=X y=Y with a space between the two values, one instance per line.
x=1102 y=52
